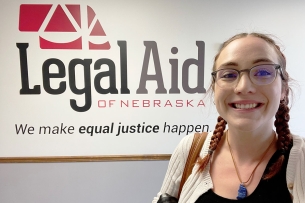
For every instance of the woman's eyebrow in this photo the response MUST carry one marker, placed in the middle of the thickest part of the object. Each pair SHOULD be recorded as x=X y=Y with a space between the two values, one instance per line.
x=229 y=64
x=262 y=60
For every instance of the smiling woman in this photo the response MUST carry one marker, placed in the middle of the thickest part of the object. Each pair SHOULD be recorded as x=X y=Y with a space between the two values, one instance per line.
x=249 y=160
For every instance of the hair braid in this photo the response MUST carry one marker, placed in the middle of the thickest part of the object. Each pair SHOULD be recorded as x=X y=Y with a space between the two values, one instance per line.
x=284 y=137
x=217 y=134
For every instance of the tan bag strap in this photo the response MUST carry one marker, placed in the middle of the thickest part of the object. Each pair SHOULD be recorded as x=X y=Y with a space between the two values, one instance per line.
x=197 y=144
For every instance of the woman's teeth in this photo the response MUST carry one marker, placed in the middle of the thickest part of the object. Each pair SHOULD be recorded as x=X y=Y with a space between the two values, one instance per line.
x=245 y=106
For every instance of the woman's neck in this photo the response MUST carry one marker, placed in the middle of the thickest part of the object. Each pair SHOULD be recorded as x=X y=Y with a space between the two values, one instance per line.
x=249 y=146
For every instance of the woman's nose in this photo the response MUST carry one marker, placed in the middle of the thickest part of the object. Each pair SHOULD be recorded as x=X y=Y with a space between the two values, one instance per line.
x=244 y=85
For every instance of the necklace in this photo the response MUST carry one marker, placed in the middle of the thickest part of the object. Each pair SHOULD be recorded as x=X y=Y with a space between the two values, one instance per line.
x=242 y=190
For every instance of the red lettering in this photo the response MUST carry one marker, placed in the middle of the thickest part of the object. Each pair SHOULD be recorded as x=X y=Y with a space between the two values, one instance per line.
x=101 y=103
x=168 y=103
x=179 y=103
x=135 y=103
x=157 y=103
x=188 y=103
x=146 y=103
x=201 y=103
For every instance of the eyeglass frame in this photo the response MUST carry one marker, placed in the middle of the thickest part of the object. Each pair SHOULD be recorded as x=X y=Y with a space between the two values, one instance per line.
x=276 y=67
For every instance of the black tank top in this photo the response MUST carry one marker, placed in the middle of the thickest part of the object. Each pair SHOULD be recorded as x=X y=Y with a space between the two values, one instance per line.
x=273 y=190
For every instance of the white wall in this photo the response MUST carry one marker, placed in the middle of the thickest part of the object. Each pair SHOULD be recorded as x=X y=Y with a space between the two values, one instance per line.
x=109 y=182
x=170 y=24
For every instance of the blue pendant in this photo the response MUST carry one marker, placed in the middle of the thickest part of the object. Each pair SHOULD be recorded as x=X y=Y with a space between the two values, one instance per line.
x=242 y=192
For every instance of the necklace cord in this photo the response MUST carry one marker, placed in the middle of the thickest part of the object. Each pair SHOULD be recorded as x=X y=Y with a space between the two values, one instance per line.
x=237 y=172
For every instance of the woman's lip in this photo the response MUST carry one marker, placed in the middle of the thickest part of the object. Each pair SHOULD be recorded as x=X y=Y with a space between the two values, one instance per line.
x=246 y=105
x=245 y=102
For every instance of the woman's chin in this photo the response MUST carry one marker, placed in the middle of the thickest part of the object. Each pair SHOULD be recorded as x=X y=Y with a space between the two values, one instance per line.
x=246 y=124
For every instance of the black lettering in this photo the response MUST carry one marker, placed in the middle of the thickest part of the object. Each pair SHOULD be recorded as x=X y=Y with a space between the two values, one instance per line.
x=46 y=130
x=87 y=84
x=110 y=73
x=25 y=89
x=47 y=76
x=123 y=60
x=24 y=128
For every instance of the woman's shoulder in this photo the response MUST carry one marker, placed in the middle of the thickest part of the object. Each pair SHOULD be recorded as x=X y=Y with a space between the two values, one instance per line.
x=297 y=155
x=298 y=148
x=298 y=142
x=186 y=143
x=182 y=149
x=295 y=169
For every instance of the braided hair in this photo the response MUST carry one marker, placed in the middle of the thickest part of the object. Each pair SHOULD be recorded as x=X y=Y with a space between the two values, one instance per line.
x=284 y=138
x=217 y=135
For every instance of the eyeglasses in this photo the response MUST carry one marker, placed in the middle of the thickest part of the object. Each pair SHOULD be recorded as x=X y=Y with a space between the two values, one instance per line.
x=263 y=74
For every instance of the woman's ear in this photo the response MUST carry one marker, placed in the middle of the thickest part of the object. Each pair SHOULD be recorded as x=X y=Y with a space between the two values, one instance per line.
x=284 y=94
x=285 y=90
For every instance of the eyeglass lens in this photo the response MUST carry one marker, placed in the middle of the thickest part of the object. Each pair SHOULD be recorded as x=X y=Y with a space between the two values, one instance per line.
x=259 y=75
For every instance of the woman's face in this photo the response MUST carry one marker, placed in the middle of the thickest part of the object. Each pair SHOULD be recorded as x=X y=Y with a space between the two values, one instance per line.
x=247 y=106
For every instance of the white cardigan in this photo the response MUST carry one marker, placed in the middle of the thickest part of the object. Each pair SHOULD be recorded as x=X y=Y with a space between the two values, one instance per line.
x=199 y=183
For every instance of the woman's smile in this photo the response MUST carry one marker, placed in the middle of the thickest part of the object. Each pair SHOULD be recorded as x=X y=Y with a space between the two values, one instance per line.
x=253 y=105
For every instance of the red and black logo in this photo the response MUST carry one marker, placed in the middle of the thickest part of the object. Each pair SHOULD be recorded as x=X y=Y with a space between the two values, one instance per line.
x=48 y=18
x=76 y=27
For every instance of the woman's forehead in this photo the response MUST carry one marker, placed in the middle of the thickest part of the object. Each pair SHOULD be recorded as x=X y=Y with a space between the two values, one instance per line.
x=246 y=51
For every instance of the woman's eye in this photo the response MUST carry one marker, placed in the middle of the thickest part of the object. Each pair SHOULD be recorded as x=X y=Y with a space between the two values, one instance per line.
x=229 y=75
x=262 y=73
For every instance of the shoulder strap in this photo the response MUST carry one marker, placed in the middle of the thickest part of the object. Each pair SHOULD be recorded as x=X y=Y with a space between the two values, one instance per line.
x=195 y=149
